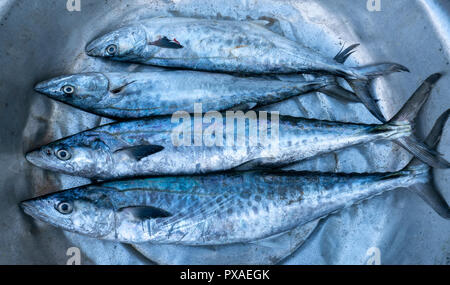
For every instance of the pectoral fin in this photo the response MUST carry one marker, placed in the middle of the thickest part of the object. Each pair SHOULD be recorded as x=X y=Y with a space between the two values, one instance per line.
x=141 y=151
x=121 y=88
x=145 y=212
x=164 y=42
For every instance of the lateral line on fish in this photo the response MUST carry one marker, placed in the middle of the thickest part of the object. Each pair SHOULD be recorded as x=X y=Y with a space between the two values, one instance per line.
x=173 y=192
x=182 y=58
x=115 y=135
x=127 y=109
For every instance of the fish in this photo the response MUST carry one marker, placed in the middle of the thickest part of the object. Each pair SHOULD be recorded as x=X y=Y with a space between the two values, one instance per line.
x=137 y=95
x=231 y=46
x=224 y=208
x=174 y=145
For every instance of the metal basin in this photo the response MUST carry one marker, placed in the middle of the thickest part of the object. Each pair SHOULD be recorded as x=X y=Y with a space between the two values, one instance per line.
x=42 y=39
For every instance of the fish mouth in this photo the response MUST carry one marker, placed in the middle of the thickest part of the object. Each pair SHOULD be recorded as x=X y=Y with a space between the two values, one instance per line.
x=42 y=87
x=91 y=50
x=94 y=49
x=28 y=207
x=31 y=209
x=49 y=88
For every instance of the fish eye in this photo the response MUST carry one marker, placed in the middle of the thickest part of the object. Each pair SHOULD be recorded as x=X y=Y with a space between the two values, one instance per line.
x=68 y=89
x=63 y=154
x=111 y=49
x=64 y=208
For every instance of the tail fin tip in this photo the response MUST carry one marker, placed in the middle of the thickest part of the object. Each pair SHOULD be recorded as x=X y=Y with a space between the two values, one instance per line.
x=412 y=107
x=428 y=191
x=433 y=197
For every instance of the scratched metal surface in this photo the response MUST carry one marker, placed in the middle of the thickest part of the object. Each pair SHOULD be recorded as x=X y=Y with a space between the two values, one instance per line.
x=41 y=39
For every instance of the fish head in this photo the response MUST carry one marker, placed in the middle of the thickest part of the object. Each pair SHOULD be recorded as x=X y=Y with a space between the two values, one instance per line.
x=122 y=44
x=81 y=155
x=85 y=210
x=86 y=89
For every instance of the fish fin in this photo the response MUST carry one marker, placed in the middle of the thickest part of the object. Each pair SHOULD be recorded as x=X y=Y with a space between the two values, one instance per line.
x=337 y=91
x=334 y=89
x=342 y=55
x=362 y=91
x=361 y=83
x=428 y=191
x=145 y=212
x=258 y=163
x=141 y=151
x=412 y=107
x=164 y=42
x=408 y=113
x=244 y=106
x=121 y=88
x=422 y=152
x=373 y=71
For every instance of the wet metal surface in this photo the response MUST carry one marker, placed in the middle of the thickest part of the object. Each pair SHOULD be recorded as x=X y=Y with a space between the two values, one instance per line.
x=41 y=39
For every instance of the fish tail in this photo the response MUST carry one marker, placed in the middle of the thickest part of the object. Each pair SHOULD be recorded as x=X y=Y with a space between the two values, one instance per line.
x=332 y=87
x=426 y=188
x=407 y=116
x=360 y=77
x=373 y=71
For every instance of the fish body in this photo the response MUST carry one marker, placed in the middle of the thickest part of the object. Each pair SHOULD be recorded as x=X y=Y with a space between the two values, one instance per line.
x=150 y=146
x=214 y=45
x=211 y=209
x=145 y=94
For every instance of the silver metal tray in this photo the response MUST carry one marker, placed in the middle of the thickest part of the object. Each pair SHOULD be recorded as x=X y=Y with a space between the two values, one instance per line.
x=42 y=39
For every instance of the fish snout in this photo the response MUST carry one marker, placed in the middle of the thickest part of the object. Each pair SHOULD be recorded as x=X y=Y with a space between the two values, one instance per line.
x=50 y=88
x=42 y=87
x=27 y=207
x=30 y=208
x=95 y=48
x=35 y=208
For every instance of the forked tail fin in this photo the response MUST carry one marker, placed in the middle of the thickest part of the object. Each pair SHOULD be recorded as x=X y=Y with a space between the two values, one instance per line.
x=333 y=88
x=361 y=84
x=359 y=79
x=427 y=190
x=408 y=114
